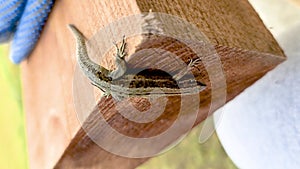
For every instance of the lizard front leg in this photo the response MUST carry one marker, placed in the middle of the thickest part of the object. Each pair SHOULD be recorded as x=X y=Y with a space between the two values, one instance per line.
x=120 y=61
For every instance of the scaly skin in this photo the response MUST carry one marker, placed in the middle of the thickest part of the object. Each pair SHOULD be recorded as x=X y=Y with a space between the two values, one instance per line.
x=119 y=84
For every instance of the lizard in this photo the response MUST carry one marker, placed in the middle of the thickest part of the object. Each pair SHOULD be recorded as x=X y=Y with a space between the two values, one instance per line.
x=119 y=83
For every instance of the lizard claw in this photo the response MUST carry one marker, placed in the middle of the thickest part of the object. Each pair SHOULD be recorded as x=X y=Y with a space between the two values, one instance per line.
x=194 y=62
x=121 y=51
x=106 y=94
x=122 y=48
x=183 y=72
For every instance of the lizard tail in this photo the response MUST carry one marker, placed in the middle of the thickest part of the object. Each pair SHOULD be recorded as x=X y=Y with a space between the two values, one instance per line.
x=91 y=69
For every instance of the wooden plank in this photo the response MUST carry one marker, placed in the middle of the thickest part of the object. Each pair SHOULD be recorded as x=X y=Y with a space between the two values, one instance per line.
x=246 y=48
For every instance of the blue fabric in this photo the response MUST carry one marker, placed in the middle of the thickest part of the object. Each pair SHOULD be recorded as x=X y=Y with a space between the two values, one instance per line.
x=22 y=21
x=10 y=13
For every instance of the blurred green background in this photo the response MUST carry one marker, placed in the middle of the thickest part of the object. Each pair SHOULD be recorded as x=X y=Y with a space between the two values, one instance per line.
x=189 y=154
x=13 y=154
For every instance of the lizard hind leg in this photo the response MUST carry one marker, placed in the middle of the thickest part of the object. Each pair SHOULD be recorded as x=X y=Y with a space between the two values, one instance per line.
x=106 y=93
x=183 y=72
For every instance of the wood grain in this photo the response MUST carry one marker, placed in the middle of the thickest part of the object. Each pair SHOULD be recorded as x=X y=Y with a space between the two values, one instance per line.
x=55 y=137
